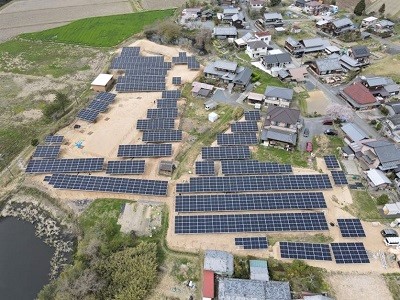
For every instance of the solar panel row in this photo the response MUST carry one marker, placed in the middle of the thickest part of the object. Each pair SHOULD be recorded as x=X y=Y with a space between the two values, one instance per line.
x=98 y=105
x=173 y=94
x=162 y=136
x=331 y=162
x=253 y=115
x=155 y=124
x=339 y=177
x=246 y=126
x=167 y=103
x=140 y=87
x=47 y=151
x=349 y=253
x=248 y=167
x=106 y=97
x=65 y=165
x=176 y=80
x=125 y=167
x=205 y=168
x=132 y=151
x=88 y=115
x=351 y=228
x=305 y=251
x=252 y=243
x=53 y=139
x=143 y=70
x=249 y=138
x=162 y=113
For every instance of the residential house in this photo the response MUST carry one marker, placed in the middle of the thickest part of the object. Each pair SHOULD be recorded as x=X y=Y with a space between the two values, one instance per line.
x=298 y=48
x=241 y=43
x=207 y=15
x=223 y=33
x=377 y=179
x=360 y=54
x=235 y=289
x=384 y=27
x=326 y=66
x=338 y=27
x=314 y=8
x=293 y=74
x=278 y=96
x=368 y=22
x=256 y=49
x=190 y=14
x=255 y=98
x=387 y=153
x=259 y=270
x=273 y=19
x=381 y=86
x=228 y=13
x=393 y=107
x=208 y=291
x=276 y=60
x=359 y=97
x=238 y=21
x=220 y=262
x=256 y=4
x=353 y=133
x=348 y=63
x=264 y=36
x=200 y=89
x=228 y=72
x=332 y=50
x=392 y=127
x=390 y=208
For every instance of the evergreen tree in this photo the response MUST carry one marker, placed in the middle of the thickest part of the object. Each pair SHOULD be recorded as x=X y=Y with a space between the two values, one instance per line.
x=382 y=9
x=360 y=8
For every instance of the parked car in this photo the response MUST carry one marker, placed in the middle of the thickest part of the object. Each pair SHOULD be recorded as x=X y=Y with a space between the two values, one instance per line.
x=330 y=132
x=327 y=122
x=309 y=147
x=306 y=132
x=389 y=233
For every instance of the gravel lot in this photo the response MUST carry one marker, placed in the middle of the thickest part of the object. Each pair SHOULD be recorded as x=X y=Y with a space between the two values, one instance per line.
x=34 y=15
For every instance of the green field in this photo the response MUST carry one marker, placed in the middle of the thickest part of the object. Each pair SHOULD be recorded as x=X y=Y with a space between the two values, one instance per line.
x=100 y=31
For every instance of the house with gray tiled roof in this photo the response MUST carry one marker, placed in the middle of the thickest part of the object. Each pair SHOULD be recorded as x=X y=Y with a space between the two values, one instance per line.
x=327 y=66
x=222 y=33
x=380 y=86
x=273 y=19
x=220 y=262
x=306 y=45
x=338 y=27
x=279 y=96
x=256 y=49
x=360 y=53
x=228 y=72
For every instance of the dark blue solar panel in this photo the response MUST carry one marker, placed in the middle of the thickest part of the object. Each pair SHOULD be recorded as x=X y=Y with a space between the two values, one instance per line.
x=171 y=94
x=167 y=103
x=205 y=168
x=88 y=115
x=339 y=177
x=46 y=151
x=246 y=126
x=248 y=138
x=253 y=115
x=349 y=253
x=106 y=97
x=248 y=167
x=162 y=113
x=351 y=228
x=125 y=167
x=98 y=105
x=309 y=251
x=155 y=124
x=71 y=165
x=331 y=162
x=132 y=151
x=54 y=139
x=252 y=243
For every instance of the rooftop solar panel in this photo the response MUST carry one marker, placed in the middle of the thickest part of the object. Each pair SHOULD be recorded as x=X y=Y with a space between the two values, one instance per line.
x=46 y=151
x=239 y=202
x=167 y=103
x=349 y=253
x=155 y=124
x=253 y=115
x=205 y=168
x=339 y=177
x=246 y=126
x=252 y=243
x=98 y=105
x=255 y=183
x=160 y=136
x=248 y=138
x=250 y=223
x=109 y=184
x=162 y=113
x=305 y=251
x=135 y=151
x=107 y=97
x=54 y=139
x=331 y=162
x=88 y=115
x=125 y=167
x=73 y=165
x=351 y=228
x=222 y=153
x=248 y=167
x=171 y=94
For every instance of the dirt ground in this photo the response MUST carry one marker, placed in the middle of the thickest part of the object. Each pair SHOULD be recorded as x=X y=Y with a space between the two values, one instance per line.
x=154 y=4
x=317 y=102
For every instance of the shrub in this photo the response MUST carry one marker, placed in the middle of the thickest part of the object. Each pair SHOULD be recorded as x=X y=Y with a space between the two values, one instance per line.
x=384 y=110
x=382 y=199
x=34 y=142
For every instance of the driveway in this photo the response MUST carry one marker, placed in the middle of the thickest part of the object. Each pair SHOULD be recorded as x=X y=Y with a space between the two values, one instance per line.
x=316 y=128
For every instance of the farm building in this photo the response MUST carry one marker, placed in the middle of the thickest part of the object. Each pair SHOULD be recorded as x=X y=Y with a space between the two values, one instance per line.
x=166 y=168
x=377 y=179
x=255 y=98
x=200 y=89
x=208 y=285
x=392 y=208
x=102 y=83
x=220 y=262
x=259 y=270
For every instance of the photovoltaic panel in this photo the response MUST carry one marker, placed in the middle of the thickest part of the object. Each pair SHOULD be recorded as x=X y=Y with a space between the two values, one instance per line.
x=88 y=115
x=253 y=115
x=339 y=177
x=132 y=151
x=193 y=64
x=248 y=167
x=205 y=168
x=54 y=139
x=162 y=136
x=145 y=71
x=155 y=124
x=239 y=202
x=305 y=251
x=222 y=153
x=254 y=183
x=141 y=78
x=349 y=253
x=176 y=80
x=252 y=243
x=140 y=87
x=162 y=113
x=176 y=94
x=351 y=228
x=46 y=151
x=130 y=51
x=331 y=162
x=250 y=223
x=104 y=96
x=246 y=126
x=167 y=103
x=109 y=184
x=125 y=167
x=65 y=165
x=248 y=138
x=98 y=105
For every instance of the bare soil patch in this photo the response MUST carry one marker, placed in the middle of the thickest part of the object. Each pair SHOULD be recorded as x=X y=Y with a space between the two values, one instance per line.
x=317 y=102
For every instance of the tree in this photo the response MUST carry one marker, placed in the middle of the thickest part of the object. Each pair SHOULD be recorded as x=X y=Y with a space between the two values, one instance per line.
x=274 y=2
x=34 y=142
x=203 y=40
x=263 y=9
x=170 y=31
x=339 y=112
x=360 y=8
x=61 y=100
x=382 y=9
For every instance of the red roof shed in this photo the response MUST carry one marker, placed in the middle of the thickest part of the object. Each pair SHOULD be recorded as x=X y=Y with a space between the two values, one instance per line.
x=208 y=284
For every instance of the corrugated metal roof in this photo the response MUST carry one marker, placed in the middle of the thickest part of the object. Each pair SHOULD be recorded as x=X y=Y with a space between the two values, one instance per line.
x=342 y=22
x=274 y=91
x=354 y=132
x=225 y=31
x=220 y=262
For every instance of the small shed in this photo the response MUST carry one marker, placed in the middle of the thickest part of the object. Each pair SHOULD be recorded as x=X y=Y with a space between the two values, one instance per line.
x=259 y=270
x=377 y=179
x=166 y=167
x=392 y=208
x=212 y=117
x=102 y=83
x=220 y=262
x=208 y=285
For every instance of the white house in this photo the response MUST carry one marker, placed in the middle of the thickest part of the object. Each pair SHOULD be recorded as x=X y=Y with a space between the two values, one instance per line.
x=264 y=36
x=256 y=4
x=377 y=179
x=256 y=49
x=370 y=21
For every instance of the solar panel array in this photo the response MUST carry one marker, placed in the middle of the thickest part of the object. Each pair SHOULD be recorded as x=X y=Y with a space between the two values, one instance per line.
x=125 y=167
x=252 y=243
x=47 y=151
x=249 y=167
x=54 y=139
x=141 y=78
x=137 y=86
x=88 y=115
x=246 y=126
x=331 y=162
x=162 y=136
x=239 y=202
x=305 y=251
x=249 y=138
x=172 y=94
x=183 y=59
x=167 y=103
x=162 y=113
x=351 y=228
x=106 y=97
x=255 y=183
x=176 y=80
x=154 y=124
x=109 y=184
x=253 y=115
x=339 y=177
x=222 y=153
x=130 y=51
x=193 y=64
x=250 y=223
x=143 y=70
x=349 y=253
x=65 y=165
x=205 y=168
x=98 y=105
x=132 y=151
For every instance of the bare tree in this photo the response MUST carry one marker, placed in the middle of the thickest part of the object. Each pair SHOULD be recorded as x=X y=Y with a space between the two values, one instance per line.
x=338 y=111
